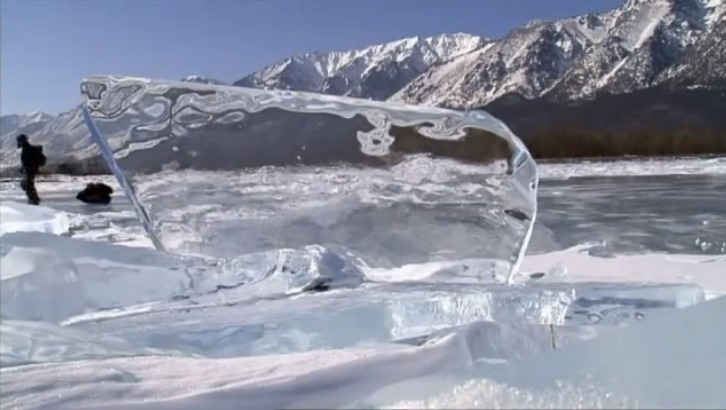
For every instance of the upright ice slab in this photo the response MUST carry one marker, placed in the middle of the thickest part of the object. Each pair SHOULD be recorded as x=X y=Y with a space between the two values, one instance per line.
x=226 y=171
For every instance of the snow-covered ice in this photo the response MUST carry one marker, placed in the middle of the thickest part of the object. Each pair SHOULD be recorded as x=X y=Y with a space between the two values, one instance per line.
x=50 y=278
x=129 y=327
x=92 y=320
x=323 y=378
x=707 y=271
x=94 y=317
x=23 y=217
x=671 y=360
x=634 y=167
x=27 y=342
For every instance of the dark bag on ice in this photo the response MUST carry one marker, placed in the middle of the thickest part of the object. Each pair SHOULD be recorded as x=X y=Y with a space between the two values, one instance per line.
x=95 y=193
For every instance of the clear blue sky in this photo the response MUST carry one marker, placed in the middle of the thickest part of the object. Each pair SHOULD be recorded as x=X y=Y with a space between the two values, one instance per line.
x=47 y=47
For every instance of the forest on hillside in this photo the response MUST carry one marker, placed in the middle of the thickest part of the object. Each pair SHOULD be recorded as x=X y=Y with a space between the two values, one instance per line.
x=554 y=143
x=652 y=122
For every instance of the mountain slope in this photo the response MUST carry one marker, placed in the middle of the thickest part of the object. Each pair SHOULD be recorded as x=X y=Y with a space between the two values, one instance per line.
x=646 y=38
x=374 y=72
x=202 y=80
x=528 y=61
x=13 y=125
x=635 y=46
x=705 y=63
x=23 y=123
x=62 y=137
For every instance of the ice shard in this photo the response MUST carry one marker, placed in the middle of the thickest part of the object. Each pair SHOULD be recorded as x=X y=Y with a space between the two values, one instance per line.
x=225 y=171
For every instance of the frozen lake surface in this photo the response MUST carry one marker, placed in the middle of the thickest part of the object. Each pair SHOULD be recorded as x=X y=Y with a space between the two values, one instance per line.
x=682 y=213
x=619 y=305
x=631 y=214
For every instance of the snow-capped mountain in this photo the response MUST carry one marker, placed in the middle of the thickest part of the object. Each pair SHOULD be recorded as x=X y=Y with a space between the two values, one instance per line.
x=202 y=80
x=645 y=39
x=23 y=123
x=528 y=61
x=704 y=64
x=626 y=49
x=14 y=124
x=641 y=44
x=61 y=136
x=375 y=72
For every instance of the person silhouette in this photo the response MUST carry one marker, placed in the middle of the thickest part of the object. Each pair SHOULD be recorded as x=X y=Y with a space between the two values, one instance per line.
x=31 y=159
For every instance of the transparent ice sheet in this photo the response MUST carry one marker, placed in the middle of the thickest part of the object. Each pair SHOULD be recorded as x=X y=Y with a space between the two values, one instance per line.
x=225 y=171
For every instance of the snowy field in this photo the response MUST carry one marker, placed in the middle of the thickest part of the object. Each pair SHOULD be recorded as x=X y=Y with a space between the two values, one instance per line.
x=619 y=304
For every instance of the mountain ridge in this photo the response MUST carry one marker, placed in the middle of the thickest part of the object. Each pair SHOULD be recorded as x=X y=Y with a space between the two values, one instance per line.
x=373 y=72
x=622 y=50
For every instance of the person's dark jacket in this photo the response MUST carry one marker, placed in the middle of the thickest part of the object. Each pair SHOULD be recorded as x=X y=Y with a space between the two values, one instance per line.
x=31 y=158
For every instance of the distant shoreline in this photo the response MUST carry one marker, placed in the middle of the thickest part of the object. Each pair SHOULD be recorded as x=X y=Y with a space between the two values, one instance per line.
x=546 y=163
x=625 y=158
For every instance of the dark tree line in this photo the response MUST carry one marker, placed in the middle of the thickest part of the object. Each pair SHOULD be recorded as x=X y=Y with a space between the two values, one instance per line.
x=652 y=122
x=553 y=143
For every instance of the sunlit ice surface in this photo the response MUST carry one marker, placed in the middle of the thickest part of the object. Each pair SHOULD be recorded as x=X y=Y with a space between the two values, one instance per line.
x=226 y=171
x=92 y=324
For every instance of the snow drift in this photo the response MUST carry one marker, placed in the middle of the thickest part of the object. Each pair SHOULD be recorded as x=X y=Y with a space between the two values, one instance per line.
x=629 y=366
x=672 y=360
x=21 y=217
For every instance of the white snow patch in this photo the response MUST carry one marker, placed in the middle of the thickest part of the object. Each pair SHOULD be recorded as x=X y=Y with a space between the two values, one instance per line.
x=717 y=12
x=25 y=342
x=575 y=265
x=17 y=217
x=51 y=278
x=328 y=379
x=672 y=360
x=642 y=24
x=634 y=365
x=449 y=73
x=601 y=82
x=643 y=167
x=54 y=278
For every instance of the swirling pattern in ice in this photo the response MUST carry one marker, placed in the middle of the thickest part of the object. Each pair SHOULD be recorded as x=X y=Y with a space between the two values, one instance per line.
x=389 y=183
